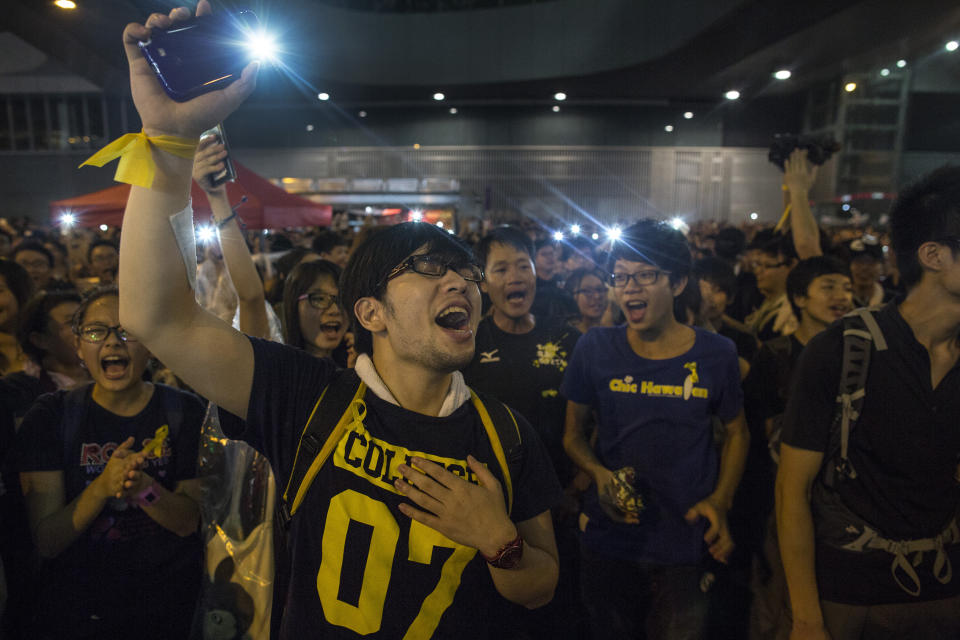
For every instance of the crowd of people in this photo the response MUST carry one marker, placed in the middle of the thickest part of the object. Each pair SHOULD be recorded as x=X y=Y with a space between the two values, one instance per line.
x=737 y=432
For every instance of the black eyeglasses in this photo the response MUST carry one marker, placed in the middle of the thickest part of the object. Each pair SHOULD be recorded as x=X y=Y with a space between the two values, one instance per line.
x=320 y=301
x=435 y=267
x=595 y=292
x=642 y=278
x=96 y=333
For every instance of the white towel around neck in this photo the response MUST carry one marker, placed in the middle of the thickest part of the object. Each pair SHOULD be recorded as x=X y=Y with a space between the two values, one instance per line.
x=456 y=396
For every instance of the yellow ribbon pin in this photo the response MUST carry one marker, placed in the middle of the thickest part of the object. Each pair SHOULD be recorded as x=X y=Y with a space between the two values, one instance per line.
x=136 y=159
x=155 y=446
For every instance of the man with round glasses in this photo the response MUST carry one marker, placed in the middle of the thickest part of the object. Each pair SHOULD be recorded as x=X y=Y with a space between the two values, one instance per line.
x=662 y=494
x=405 y=529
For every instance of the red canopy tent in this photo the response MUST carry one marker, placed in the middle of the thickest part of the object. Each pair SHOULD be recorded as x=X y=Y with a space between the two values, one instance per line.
x=267 y=206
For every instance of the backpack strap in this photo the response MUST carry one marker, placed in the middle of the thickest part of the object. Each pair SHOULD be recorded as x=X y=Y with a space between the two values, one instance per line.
x=342 y=402
x=861 y=334
x=74 y=415
x=504 y=435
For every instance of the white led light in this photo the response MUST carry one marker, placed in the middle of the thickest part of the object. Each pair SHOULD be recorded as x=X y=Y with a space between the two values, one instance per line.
x=558 y=236
x=205 y=234
x=556 y=108
x=782 y=74
x=263 y=47
x=850 y=87
x=323 y=96
x=68 y=220
x=416 y=215
x=559 y=96
x=362 y=114
x=103 y=227
x=440 y=223
x=450 y=231
x=953 y=45
x=733 y=94
x=453 y=111
x=438 y=96
x=614 y=233
x=309 y=127
x=575 y=229
x=884 y=72
x=595 y=236
x=668 y=128
x=688 y=115
x=676 y=223
x=754 y=216
x=901 y=64
x=845 y=207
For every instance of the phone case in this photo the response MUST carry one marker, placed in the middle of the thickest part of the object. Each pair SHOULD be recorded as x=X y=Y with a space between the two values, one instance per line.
x=203 y=54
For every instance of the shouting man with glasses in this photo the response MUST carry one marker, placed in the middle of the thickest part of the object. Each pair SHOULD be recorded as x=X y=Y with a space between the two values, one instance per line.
x=662 y=492
x=411 y=526
x=520 y=360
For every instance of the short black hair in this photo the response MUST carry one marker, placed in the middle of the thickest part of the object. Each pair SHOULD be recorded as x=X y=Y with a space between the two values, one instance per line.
x=806 y=271
x=779 y=244
x=580 y=245
x=729 y=243
x=88 y=299
x=507 y=236
x=373 y=260
x=35 y=318
x=327 y=240
x=101 y=242
x=926 y=211
x=295 y=285
x=18 y=281
x=31 y=245
x=717 y=272
x=656 y=243
x=543 y=241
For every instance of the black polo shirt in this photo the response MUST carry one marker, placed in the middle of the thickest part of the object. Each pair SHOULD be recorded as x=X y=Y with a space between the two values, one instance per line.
x=905 y=448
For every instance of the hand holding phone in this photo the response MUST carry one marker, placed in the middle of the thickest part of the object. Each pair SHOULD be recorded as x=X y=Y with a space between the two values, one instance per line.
x=158 y=112
x=212 y=166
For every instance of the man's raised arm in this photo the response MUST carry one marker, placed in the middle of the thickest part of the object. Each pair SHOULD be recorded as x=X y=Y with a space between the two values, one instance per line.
x=156 y=302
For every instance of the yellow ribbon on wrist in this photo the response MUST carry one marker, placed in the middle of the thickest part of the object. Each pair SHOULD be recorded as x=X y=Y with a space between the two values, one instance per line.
x=137 y=166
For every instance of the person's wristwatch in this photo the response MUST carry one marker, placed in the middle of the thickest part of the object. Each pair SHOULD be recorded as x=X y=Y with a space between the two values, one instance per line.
x=149 y=496
x=508 y=556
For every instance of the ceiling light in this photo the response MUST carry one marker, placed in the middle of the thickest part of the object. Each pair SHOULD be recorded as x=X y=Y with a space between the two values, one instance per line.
x=362 y=114
x=952 y=45
x=901 y=64
x=782 y=74
x=559 y=96
x=688 y=115
x=453 y=111
x=614 y=233
x=884 y=72
x=668 y=128
x=438 y=96
x=323 y=96
x=556 y=108
x=733 y=94
x=558 y=236
x=595 y=236
x=66 y=4
x=754 y=216
x=850 y=87
x=309 y=127
x=575 y=229
x=103 y=227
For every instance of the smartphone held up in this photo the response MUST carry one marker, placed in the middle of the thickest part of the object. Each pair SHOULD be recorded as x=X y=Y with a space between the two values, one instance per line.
x=206 y=53
x=229 y=172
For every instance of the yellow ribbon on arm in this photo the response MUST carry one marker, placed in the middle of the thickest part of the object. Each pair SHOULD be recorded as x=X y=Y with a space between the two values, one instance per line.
x=784 y=218
x=136 y=159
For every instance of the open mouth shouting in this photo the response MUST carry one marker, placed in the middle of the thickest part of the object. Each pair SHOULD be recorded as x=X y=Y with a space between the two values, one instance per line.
x=455 y=319
x=331 y=330
x=114 y=367
x=635 y=310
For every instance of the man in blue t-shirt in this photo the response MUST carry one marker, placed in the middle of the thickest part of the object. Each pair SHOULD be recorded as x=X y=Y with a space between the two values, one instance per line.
x=656 y=387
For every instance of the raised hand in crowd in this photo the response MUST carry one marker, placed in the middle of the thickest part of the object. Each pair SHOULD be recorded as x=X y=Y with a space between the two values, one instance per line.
x=209 y=160
x=798 y=178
